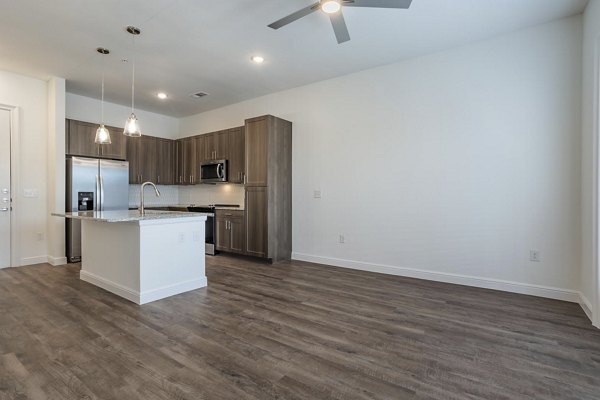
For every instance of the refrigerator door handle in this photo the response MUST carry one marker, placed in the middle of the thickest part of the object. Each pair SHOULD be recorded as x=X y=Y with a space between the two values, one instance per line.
x=98 y=194
x=101 y=193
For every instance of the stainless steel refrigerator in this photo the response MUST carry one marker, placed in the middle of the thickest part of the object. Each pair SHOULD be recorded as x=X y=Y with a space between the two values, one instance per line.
x=93 y=185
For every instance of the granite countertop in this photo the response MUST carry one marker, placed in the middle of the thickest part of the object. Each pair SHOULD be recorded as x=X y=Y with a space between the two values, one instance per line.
x=183 y=207
x=128 y=215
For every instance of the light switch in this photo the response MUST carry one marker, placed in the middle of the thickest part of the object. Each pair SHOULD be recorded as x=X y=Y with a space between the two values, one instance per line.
x=317 y=194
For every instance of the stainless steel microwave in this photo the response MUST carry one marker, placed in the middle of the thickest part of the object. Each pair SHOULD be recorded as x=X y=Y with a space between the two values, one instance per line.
x=214 y=171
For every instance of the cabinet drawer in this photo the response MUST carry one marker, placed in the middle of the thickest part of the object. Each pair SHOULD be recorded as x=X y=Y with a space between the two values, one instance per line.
x=229 y=214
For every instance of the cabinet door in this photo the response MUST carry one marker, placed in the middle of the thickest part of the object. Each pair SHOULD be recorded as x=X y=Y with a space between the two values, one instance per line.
x=222 y=241
x=222 y=145
x=256 y=135
x=236 y=235
x=236 y=155
x=256 y=221
x=80 y=139
x=200 y=154
x=179 y=162
x=189 y=161
x=134 y=146
x=117 y=150
x=148 y=162
x=165 y=153
x=210 y=146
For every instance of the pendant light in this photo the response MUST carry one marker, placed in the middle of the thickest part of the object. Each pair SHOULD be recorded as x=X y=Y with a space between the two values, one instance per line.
x=102 y=134
x=132 y=126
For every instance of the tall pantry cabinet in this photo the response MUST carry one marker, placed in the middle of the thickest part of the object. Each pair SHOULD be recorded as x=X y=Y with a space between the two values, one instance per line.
x=268 y=187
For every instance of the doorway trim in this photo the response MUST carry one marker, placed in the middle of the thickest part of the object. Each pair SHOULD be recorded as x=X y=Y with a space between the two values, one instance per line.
x=15 y=188
x=596 y=186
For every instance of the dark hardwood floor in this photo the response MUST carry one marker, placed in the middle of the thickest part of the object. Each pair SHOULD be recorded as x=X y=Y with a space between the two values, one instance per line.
x=290 y=331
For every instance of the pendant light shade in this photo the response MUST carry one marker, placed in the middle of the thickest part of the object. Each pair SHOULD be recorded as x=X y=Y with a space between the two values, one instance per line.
x=132 y=126
x=102 y=134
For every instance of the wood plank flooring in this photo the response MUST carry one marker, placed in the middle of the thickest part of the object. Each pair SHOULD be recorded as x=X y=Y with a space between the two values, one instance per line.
x=289 y=331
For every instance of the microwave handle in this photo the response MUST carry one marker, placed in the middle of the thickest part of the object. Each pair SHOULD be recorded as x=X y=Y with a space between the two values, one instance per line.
x=220 y=171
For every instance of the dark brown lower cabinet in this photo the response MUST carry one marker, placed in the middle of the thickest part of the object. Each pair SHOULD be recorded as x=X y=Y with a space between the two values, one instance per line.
x=256 y=221
x=230 y=231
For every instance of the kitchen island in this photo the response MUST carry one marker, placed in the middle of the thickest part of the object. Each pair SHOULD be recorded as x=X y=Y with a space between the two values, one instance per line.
x=142 y=258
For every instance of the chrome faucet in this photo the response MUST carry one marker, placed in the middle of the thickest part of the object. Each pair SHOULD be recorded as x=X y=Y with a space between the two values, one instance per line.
x=141 y=208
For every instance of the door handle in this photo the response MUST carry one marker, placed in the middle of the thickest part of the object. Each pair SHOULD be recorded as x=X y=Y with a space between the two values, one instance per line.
x=102 y=193
x=220 y=171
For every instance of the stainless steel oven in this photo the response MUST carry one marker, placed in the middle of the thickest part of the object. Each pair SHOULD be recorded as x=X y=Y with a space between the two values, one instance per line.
x=213 y=171
x=210 y=228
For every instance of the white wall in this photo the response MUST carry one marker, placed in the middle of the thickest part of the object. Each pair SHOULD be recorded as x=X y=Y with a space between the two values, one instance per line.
x=591 y=48
x=451 y=166
x=87 y=109
x=31 y=96
x=56 y=170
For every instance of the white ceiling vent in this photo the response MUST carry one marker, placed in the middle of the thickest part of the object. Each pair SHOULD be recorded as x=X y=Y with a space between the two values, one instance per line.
x=198 y=95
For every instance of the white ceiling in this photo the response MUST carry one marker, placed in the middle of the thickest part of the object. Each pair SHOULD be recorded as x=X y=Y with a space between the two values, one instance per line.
x=190 y=46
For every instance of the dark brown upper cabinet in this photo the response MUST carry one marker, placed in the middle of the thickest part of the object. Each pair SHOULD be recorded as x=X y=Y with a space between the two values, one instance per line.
x=237 y=155
x=143 y=159
x=80 y=138
x=216 y=145
x=257 y=145
x=165 y=151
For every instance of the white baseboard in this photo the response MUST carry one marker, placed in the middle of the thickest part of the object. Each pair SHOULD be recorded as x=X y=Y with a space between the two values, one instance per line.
x=487 y=283
x=171 y=290
x=33 y=260
x=144 y=297
x=112 y=287
x=586 y=305
x=56 y=261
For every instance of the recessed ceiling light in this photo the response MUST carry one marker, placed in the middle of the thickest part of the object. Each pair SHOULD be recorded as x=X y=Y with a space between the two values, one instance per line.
x=331 y=6
x=257 y=59
x=162 y=95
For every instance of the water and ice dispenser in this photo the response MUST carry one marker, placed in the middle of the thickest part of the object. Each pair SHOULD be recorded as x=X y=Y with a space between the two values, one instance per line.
x=85 y=201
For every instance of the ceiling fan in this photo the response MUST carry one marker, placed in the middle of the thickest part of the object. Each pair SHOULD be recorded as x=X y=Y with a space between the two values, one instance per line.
x=334 y=9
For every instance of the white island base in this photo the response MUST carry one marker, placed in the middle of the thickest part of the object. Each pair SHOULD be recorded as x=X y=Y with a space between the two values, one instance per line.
x=146 y=259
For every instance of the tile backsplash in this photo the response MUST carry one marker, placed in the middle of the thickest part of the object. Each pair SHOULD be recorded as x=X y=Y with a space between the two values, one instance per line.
x=212 y=194
x=198 y=194
x=169 y=195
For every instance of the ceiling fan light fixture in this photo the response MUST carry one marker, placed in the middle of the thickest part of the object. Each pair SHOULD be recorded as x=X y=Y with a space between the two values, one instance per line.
x=330 y=6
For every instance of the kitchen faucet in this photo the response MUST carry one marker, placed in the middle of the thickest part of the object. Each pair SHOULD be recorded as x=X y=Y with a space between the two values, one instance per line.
x=141 y=208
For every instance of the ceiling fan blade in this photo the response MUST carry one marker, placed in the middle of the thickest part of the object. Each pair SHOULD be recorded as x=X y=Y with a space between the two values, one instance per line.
x=339 y=27
x=377 y=3
x=294 y=16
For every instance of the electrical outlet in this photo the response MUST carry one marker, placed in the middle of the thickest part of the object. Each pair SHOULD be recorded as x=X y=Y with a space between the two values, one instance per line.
x=181 y=237
x=317 y=194
x=535 y=256
x=39 y=236
x=342 y=239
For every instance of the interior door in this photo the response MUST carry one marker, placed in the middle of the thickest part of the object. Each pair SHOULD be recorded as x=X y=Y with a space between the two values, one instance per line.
x=5 y=195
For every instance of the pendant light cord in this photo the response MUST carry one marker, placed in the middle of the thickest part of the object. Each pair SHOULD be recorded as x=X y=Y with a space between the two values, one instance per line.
x=133 y=78
x=102 y=102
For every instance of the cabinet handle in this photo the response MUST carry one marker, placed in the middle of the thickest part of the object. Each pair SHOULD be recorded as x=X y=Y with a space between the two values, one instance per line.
x=158 y=179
